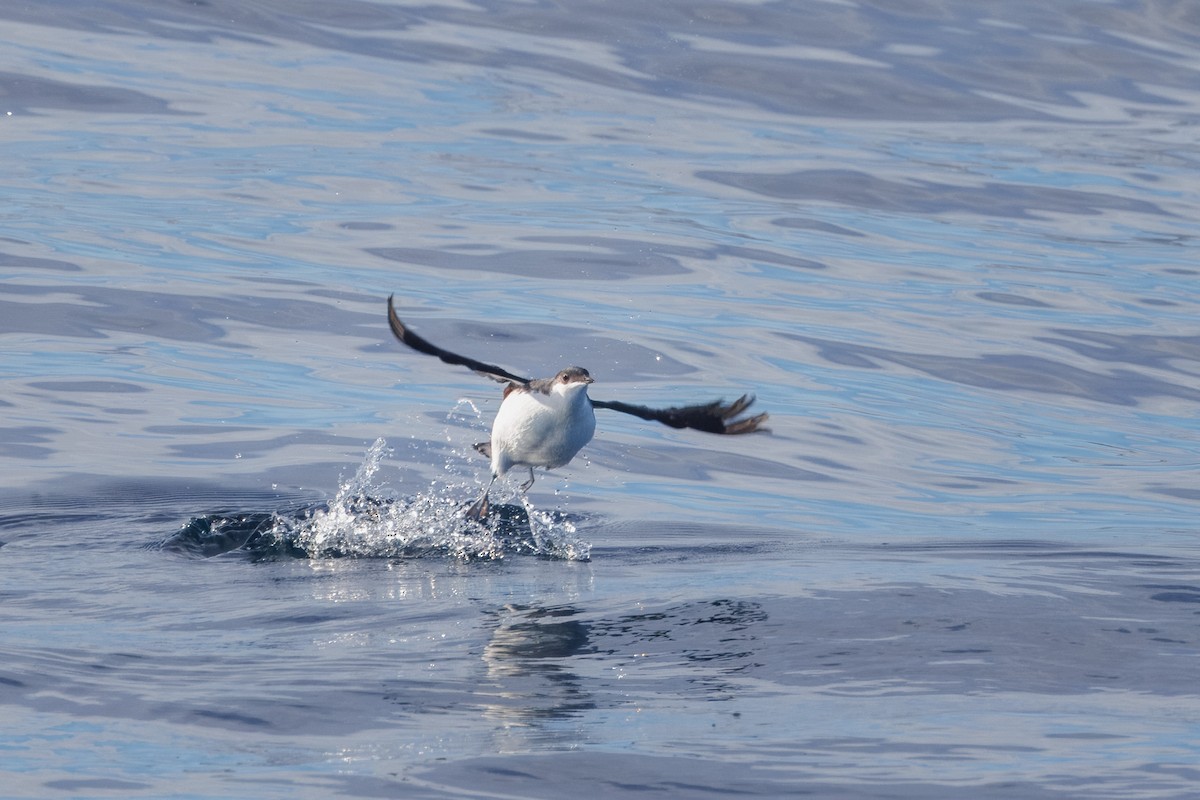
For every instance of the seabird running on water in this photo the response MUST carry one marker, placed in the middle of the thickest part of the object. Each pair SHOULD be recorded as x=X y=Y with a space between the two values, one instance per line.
x=544 y=422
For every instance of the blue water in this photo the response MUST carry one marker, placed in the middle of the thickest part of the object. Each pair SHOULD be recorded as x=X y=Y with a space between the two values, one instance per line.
x=952 y=249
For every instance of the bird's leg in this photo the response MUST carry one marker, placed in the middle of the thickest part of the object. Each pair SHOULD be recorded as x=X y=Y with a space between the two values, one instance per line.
x=479 y=509
x=529 y=515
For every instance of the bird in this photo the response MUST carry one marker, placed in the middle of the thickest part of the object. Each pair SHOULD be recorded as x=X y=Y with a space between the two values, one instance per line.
x=545 y=422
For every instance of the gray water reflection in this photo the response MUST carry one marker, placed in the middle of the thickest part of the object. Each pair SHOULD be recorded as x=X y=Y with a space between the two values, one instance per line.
x=918 y=196
x=24 y=92
x=594 y=258
x=939 y=61
x=1020 y=372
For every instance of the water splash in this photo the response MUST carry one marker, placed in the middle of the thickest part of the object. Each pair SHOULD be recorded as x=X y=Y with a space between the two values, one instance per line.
x=362 y=522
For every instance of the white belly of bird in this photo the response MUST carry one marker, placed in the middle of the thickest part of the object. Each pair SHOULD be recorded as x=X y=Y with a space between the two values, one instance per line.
x=540 y=430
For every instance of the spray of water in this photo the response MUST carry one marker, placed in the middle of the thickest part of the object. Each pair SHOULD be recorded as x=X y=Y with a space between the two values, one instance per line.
x=361 y=521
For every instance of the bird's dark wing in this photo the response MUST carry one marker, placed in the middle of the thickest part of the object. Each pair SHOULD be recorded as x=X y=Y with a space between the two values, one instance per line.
x=714 y=417
x=428 y=348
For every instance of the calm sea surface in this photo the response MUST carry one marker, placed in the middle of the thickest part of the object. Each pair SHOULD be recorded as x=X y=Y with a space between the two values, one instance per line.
x=951 y=246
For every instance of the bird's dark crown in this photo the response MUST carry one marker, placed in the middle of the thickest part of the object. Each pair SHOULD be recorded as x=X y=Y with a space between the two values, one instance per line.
x=572 y=375
x=565 y=377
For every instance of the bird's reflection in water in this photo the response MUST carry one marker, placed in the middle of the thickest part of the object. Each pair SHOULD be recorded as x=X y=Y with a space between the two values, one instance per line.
x=529 y=680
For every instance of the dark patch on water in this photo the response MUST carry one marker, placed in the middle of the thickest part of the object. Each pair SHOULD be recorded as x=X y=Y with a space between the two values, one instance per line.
x=926 y=197
x=288 y=534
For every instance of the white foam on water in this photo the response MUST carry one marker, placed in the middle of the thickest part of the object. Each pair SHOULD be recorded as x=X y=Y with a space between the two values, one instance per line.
x=361 y=521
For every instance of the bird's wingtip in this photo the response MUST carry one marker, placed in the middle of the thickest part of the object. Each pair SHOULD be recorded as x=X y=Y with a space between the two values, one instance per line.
x=749 y=424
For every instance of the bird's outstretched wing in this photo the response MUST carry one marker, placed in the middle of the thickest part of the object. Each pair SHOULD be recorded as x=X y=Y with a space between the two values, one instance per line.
x=714 y=417
x=428 y=348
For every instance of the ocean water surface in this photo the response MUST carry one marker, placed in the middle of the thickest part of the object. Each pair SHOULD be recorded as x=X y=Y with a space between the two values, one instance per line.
x=952 y=250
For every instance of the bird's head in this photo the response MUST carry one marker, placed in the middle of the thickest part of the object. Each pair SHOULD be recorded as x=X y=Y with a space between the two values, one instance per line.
x=571 y=380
